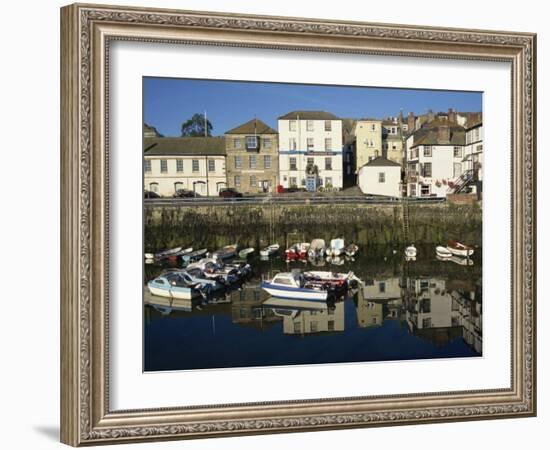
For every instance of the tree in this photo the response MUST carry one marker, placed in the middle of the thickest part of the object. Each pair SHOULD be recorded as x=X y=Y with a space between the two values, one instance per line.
x=195 y=126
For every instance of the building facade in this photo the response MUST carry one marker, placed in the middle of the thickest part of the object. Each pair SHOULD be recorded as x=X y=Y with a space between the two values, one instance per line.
x=310 y=150
x=392 y=140
x=252 y=157
x=380 y=176
x=473 y=153
x=368 y=140
x=186 y=163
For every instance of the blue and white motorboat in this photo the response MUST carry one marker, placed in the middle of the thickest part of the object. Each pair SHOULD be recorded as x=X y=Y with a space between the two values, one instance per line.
x=293 y=285
x=174 y=285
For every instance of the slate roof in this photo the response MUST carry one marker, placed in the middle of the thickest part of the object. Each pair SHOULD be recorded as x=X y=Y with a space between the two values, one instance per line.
x=309 y=115
x=429 y=134
x=254 y=126
x=182 y=146
x=381 y=162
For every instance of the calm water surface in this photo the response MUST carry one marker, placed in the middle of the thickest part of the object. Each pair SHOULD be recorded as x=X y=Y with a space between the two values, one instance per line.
x=407 y=310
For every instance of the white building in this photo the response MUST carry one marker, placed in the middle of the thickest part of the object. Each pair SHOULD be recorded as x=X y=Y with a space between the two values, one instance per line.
x=434 y=159
x=310 y=139
x=192 y=163
x=473 y=152
x=380 y=176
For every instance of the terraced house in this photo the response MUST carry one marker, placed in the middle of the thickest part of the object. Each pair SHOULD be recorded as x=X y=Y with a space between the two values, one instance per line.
x=310 y=150
x=252 y=157
x=191 y=163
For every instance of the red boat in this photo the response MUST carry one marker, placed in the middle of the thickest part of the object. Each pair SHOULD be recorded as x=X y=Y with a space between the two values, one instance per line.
x=297 y=251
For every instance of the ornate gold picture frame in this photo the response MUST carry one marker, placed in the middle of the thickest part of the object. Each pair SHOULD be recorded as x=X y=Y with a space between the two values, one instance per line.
x=87 y=32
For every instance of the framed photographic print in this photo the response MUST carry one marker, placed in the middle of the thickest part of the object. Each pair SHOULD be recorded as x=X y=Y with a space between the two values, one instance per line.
x=280 y=224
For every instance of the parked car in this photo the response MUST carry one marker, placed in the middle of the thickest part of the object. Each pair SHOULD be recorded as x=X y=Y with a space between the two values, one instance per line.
x=150 y=194
x=230 y=193
x=184 y=193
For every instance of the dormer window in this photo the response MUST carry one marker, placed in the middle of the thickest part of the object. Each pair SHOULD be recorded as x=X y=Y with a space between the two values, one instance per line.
x=252 y=142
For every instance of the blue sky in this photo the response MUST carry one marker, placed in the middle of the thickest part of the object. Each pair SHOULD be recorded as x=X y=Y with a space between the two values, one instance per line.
x=168 y=102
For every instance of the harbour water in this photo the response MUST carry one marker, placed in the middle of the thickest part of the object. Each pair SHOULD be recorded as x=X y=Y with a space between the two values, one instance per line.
x=420 y=309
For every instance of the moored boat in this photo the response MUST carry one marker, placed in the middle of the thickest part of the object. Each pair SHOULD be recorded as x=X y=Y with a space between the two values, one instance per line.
x=293 y=285
x=270 y=250
x=297 y=251
x=316 y=248
x=459 y=249
x=246 y=252
x=410 y=251
x=191 y=257
x=351 y=249
x=229 y=251
x=173 y=285
x=336 y=247
x=443 y=252
x=327 y=278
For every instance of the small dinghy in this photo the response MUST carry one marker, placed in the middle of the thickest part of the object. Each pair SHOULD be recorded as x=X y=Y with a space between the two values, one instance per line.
x=458 y=249
x=351 y=249
x=297 y=251
x=188 y=258
x=410 y=251
x=443 y=252
x=336 y=247
x=317 y=248
x=245 y=253
x=270 y=250
x=229 y=251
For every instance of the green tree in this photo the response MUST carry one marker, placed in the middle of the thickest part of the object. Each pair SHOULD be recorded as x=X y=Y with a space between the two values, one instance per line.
x=195 y=126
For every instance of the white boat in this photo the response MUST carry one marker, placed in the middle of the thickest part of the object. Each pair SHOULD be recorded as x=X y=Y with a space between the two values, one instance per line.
x=443 y=252
x=193 y=256
x=351 y=249
x=324 y=277
x=458 y=249
x=246 y=252
x=336 y=247
x=317 y=248
x=173 y=285
x=336 y=260
x=229 y=251
x=270 y=250
x=461 y=261
x=410 y=251
x=292 y=285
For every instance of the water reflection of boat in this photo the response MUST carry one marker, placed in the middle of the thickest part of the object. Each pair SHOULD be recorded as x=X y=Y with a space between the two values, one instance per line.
x=351 y=250
x=336 y=260
x=291 y=307
x=461 y=261
x=270 y=250
x=458 y=249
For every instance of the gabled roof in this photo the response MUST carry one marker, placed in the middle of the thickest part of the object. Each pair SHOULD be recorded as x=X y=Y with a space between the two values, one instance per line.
x=183 y=146
x=381 y=162
x=309 y=115
x=428 y=134
x=254 y=126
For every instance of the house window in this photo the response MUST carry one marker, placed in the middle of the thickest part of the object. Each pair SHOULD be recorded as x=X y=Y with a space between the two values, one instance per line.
x=309 y=125
x=252 y=162
x=330 y=325
x=178 y=186
x=328 y=125
x=457 y=169
x=211 y=165
x=252 y=142
x=427 y=170
x=425 y=190
x=238 y=162
x=237 y=142
x=195 y=165
x=479 y=148
x=267 y=161
x=328 y=144
x=292 y=163
x=292 y=125
x=310 y=161
x=147 y=166
x=314 y=326
x=292 y=181
x=253 y=181
x=292 y=144
x=382 y=287
x=328 y=181
x=267 y=143
x=373 y=127
x=237 y=181
x=163 y=166
x=381 y=177
x=457 y=152
x=427 y=150
x=179 y=165
x=427 y=323
x=297 y=327
x=154 y=187
x=328 y=163
x=412 y=189
x=310 y=144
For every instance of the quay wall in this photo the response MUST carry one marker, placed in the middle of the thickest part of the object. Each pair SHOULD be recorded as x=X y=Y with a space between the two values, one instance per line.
x=256 y=225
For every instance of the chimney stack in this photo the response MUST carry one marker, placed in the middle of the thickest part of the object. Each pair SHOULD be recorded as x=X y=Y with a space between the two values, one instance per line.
x=444 y=134
x=452 y=115
x=410 y=121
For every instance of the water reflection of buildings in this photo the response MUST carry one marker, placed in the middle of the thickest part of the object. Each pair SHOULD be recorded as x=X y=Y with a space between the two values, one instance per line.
x=381 y=299
x=246 y=306
x=441 y=312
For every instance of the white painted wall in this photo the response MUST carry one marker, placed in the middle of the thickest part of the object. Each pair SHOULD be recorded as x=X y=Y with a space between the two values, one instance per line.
x=369 y=180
